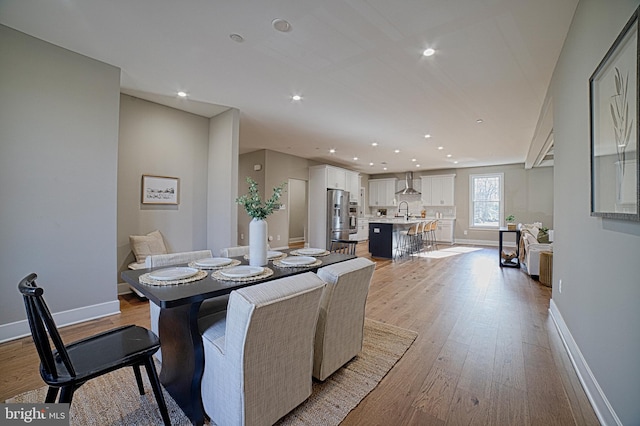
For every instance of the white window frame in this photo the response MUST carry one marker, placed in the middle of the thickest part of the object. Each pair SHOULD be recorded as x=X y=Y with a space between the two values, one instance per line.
x=472 y=178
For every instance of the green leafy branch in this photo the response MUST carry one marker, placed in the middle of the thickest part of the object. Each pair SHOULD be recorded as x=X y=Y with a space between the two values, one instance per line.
x=253 y=204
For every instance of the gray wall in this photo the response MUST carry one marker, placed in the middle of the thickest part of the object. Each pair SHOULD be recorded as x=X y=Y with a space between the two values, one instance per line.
x=58 y=156
x=222 y=211
x=597 y=260
x=158 y=140
x=276 y=168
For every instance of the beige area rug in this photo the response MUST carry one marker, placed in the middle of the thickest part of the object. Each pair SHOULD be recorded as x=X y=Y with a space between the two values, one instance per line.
x=447 y=252
x=113 y=399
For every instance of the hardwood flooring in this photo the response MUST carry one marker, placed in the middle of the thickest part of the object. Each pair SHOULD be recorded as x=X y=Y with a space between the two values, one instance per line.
x=487 y=351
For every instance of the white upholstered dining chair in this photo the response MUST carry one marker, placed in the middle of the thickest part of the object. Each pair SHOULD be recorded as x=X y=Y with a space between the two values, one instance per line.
x=208 y=307
x=339 y=332
x=258 y=356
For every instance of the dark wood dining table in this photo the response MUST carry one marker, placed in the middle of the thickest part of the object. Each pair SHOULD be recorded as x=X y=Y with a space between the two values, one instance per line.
x=180 y=339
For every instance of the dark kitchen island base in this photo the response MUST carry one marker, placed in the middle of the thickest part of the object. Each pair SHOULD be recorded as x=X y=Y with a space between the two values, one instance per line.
x=381 y=241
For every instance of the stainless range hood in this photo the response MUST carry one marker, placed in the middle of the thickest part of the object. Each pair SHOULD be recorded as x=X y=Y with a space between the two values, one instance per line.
x=408 y=190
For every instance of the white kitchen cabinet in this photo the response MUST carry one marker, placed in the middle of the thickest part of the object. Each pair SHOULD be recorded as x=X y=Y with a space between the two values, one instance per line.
x=438 y=190
x=336 y=178
x=444 y=231
x=353 y=185
x=382 y=192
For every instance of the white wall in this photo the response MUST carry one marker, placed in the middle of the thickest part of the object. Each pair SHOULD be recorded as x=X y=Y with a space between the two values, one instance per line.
x=597 y=260
x=58 y=165
x=158 y=140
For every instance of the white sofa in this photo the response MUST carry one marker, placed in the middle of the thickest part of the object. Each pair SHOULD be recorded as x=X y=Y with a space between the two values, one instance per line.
x=530 y=248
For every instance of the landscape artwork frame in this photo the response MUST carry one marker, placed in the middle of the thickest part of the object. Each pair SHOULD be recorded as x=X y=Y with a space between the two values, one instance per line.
x=160 y=190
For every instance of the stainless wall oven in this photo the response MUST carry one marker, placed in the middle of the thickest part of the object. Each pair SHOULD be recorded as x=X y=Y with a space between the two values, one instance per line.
x=353 y=217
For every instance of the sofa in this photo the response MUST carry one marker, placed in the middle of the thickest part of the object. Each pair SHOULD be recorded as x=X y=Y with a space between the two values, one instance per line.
x=531 y=247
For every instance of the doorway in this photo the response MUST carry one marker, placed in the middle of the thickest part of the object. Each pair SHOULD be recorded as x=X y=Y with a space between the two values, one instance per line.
x=297 y=190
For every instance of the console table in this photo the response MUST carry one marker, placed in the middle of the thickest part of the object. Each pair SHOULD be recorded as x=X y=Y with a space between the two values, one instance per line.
x=515 y=262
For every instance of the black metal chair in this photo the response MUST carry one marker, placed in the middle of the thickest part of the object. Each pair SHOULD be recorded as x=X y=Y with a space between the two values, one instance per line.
x=70 y=366
x=343 y=246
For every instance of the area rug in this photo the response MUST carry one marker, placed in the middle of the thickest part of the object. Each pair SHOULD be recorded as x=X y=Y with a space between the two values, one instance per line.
x=113 y=399
x=447 y=252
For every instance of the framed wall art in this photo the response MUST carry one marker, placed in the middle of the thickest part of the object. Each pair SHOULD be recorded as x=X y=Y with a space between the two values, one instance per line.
x=160 y=190
x=615 y=175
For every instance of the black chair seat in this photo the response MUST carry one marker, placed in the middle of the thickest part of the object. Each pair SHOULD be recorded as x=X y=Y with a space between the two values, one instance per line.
x=104 y=353
x=67 y=367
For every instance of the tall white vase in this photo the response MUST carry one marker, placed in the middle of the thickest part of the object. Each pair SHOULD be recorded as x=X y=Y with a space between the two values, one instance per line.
x=258 y=242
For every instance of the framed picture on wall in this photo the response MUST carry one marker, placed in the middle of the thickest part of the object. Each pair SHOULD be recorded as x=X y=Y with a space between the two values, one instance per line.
x=160 y=190
x=613 y=90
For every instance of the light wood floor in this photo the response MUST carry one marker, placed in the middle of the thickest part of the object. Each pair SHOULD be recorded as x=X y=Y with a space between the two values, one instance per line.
x=487 y=351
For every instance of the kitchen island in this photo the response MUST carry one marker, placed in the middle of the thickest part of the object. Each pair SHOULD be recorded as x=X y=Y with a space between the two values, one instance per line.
x=385 y=235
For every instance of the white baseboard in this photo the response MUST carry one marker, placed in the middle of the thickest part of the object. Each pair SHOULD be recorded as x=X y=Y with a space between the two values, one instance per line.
x=603 y=409
x=18 y=329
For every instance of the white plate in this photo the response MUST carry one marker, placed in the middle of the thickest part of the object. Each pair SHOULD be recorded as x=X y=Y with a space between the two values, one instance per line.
x=242 y=271
x=273 y=254
x=213 y=262
x=298 y=260
x=170 y=274
x=310 y=251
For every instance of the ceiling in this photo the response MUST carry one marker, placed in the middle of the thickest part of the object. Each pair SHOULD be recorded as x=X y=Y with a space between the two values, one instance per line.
x=357 y=64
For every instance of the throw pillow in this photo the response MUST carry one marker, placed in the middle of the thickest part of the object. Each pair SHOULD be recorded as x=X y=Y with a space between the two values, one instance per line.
x=146 y=245
x=543 y=236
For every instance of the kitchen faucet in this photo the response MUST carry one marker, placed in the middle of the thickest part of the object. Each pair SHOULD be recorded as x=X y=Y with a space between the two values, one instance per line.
x=406 y=215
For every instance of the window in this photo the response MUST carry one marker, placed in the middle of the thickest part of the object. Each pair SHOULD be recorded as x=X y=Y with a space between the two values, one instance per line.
x=486 y=208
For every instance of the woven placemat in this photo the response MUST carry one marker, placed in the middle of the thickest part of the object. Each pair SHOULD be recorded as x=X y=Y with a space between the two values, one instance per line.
x=297 y=253
x=282 y=256
x=219 y=276
x=145 y=279
x=234 y=262
x=279 y=264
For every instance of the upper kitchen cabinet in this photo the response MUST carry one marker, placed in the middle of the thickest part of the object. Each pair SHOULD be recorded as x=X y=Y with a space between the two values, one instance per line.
x=331 y=177
x=382 y=192
x=438 y=190
x=336 y=178
x=353 y=186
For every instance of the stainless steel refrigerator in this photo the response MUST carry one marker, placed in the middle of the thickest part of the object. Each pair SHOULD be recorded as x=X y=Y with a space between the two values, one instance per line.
x=337 y=215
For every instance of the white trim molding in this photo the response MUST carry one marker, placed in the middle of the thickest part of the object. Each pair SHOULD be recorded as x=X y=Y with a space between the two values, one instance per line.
x=603 y=409
x=18 y=329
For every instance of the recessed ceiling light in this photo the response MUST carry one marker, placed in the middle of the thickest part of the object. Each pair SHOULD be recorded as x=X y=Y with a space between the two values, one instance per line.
x=281 y=25
x=417 y=165
x=384 y=168
x=479 y=120
x=397 y=151
x=297 y=97
x=182 y=94
x=374 y=144
x=414 y=160
x=236 y=37
x=428 y=52
x=449 y=155
x=441 y=147
x=371 y=164
x=355 y=158
x=455 y=162
x=427 y=136
x=332 y=151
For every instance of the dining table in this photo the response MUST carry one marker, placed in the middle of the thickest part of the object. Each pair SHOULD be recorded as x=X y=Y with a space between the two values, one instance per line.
x=180 y=339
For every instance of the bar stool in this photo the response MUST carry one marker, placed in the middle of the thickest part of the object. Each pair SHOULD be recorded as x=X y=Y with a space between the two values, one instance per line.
x=432 y=234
